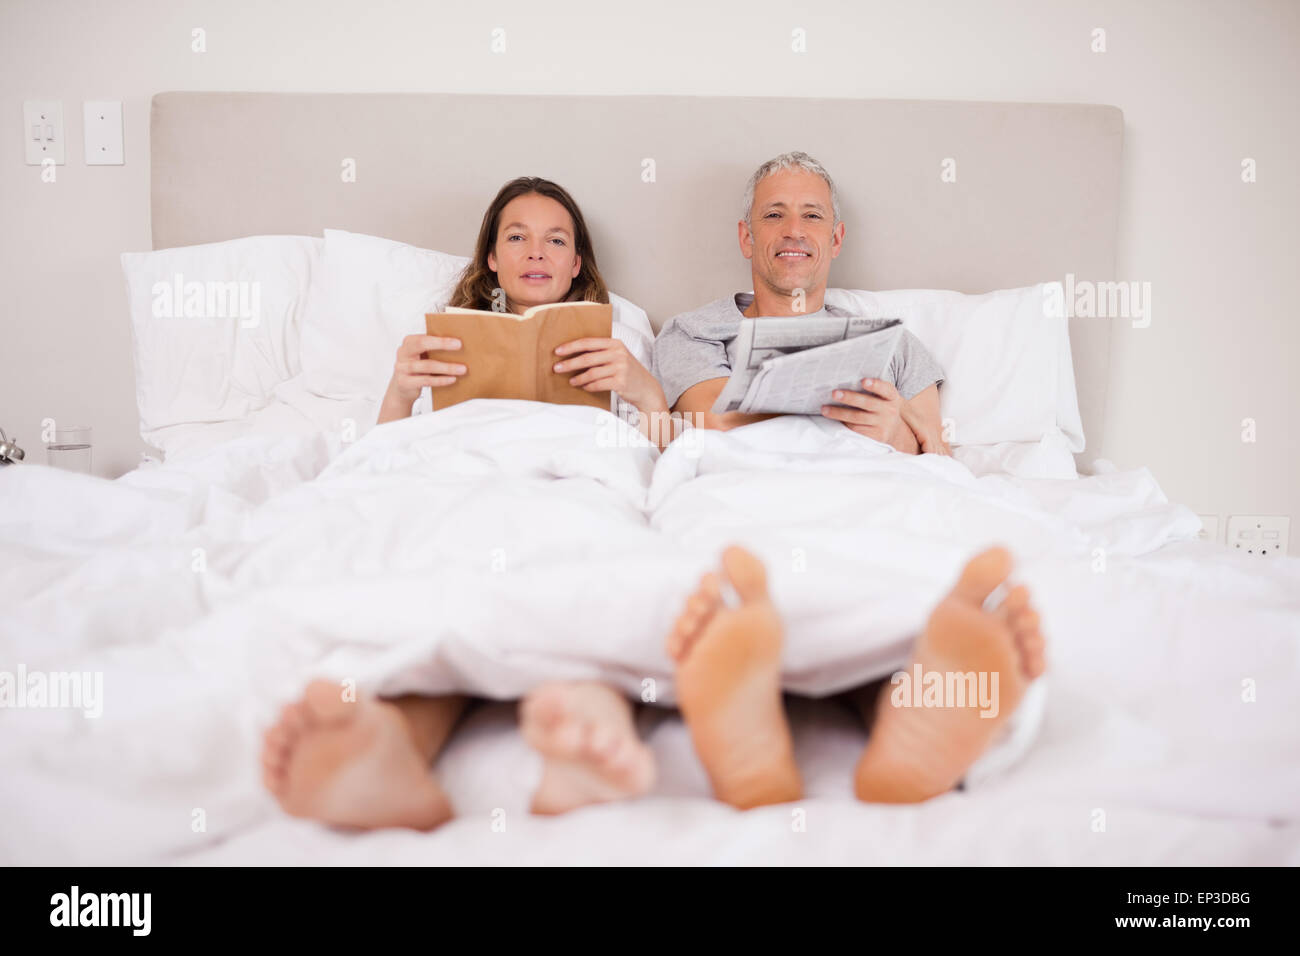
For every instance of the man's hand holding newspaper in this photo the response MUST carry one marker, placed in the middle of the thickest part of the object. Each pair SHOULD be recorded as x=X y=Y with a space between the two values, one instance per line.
x=829 y=366
x=792 y=365
x=876 y=412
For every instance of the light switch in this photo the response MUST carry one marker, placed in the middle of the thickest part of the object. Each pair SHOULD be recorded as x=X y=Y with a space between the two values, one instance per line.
x=43 y=119
x=103 y=138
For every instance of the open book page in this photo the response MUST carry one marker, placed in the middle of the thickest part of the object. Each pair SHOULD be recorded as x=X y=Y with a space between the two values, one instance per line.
x=499 y=353
x=800 y=383
x=567 y=322
x=512 y=356
x=759 y=340
x=520 y=316
x=460 y=310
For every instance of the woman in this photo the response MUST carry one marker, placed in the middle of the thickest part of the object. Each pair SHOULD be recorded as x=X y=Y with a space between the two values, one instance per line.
x=533 y=249
x=366 y=763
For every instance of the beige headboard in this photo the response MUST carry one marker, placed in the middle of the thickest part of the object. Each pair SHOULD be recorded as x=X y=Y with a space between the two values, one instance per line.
x=1035 y=195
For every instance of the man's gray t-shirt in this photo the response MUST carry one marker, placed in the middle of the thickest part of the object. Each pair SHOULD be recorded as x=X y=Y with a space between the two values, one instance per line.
x=697 y=346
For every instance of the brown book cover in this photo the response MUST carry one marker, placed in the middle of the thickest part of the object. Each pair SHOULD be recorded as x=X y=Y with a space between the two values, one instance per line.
x=513 y=356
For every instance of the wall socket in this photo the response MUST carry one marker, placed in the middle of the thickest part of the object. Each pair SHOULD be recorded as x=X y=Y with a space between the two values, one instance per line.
x=1260 y=535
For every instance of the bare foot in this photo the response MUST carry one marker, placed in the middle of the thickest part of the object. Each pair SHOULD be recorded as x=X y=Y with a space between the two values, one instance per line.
x=593 y=754
x=729 y=686
x=916 y=751
x=350 y=764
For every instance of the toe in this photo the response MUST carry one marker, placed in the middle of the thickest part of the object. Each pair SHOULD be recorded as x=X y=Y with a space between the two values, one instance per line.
x=298 y=721
x=273 y=781
x=291 y=719
x=688 y=623
x=602 y=743
x=548 y=708
x=271 y=759
x=982 y=574
x=1025 y=622
x=711 y=590
x=746 y=574
x=276 y=743
x=1017 y=598
x=682 y=623
x=620 y=754
x=1035 y=665
x=1029 y=641
x=569 y=737
x=1006 y=616
x=697 y=606
x=683 y=636
x=323 y=701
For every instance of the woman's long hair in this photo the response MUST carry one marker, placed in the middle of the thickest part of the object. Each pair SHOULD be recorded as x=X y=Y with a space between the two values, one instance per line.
x=478 y=282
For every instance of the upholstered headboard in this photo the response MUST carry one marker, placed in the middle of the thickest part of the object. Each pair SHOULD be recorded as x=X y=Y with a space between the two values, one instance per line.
x=1031 y=191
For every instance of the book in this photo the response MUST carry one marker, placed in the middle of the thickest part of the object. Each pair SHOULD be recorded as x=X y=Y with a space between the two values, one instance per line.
x=513 y=356
x=792 y=365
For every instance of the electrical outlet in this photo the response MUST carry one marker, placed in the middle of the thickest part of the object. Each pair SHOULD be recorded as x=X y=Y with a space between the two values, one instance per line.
x=1209 y=528
x=1261 y=535
x=43 y=131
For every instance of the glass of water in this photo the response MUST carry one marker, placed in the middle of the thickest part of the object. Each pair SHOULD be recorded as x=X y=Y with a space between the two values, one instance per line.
x=70 y=448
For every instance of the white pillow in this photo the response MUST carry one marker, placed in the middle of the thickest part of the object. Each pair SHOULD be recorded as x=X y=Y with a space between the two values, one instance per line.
x=215 y=327
x=1008 y=370
x=374 y=292
x=371 y=293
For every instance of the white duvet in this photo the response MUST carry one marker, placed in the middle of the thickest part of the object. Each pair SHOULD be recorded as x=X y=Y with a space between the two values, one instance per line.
x=498 y=544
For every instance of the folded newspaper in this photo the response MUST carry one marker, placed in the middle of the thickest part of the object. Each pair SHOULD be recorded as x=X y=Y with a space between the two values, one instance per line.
x=792 y=365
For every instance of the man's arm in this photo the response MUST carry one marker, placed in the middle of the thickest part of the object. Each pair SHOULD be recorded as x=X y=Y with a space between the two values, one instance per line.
x=924 y=432
x=699 y=398
x=921 y=414
x=878 y=411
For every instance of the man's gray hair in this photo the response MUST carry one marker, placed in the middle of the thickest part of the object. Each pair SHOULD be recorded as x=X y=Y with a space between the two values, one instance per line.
x=785 y=161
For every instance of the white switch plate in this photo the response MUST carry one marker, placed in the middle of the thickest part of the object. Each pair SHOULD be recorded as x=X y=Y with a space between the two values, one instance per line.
x=1209 y=528
x=103 y=139
x=43 y=131
x=1259 y=535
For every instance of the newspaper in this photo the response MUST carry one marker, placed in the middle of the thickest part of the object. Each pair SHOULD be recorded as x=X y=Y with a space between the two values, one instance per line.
x=791 y=365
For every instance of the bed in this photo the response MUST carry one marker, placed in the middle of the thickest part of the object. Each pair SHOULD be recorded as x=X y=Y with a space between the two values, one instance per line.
x=496 y=544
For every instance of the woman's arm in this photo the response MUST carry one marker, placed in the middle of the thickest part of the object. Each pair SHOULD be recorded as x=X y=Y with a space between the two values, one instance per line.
x=609 y=365
x=411 y=373
x=395 y=405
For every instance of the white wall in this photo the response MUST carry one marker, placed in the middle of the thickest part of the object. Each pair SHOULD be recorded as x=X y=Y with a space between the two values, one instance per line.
x=1202 y=86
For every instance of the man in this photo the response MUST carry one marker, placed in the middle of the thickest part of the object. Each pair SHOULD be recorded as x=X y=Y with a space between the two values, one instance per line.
x=791 y=231
x=728 y=656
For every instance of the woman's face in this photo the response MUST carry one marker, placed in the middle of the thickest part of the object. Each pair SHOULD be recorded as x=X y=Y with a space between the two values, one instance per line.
x=534 y=256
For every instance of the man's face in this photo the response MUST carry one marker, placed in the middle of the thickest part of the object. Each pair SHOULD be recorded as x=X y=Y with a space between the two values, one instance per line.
x=792 y=236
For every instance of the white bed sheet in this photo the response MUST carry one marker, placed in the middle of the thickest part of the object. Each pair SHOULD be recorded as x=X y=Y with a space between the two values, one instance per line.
x=450 y=551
